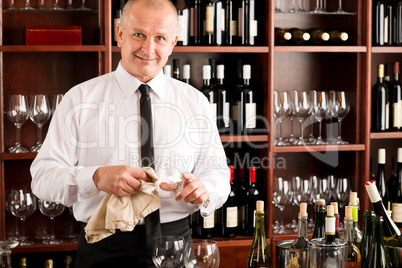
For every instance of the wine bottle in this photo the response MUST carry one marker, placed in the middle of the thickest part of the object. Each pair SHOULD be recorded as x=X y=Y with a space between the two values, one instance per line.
x=388 y=23
x=395 y=102
x=207 y=227
x=397 y=201
x=357 y=233
x=219 y=22
x=49 y=263
x=337 y=37
x=381 y=180
x=391 y=182
x=176 y=69
x=236 y=95
x=209 y=23
x=299 y=37
x=387 y=73
x=68 y=261
x=252 y=196
x=231 y=16
x=186 y=73
x=398 y=23
x=354 y=256
x=212 y=63
x=367 y=235
x=228 y=221
x=337 y=216
x=207 y=90
x=118 y=6
x=318 y=37
x=392 y=235
x=183 y=22
x=259 y=255
x=301 y=242
x=247 y=29
x=23 y=262
x=196 y=22
x=379 y=103
x=377 y=257
x=330 y=225
x=223 y=106
x=320 y=212
x=246 y=104
x=282 y=36
x=167 y=70
x=242 y=199
x=378 y=22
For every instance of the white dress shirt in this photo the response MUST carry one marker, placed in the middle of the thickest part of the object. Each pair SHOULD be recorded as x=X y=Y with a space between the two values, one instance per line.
x=97 y=124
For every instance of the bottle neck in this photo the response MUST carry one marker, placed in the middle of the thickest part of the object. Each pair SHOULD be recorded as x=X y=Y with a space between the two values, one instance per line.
x=396 y=76
x=220 y=81
x=302 y=231
x=259 y=224
x=355 y=214
x=348 y=229
x=207 y=82
x=320 y=212
x=246 y=81
x=380 y=79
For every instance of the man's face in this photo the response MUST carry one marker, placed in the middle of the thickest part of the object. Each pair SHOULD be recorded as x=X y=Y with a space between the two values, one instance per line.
x=146 y=41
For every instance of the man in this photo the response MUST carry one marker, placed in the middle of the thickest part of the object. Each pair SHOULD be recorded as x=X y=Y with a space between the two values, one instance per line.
x=93 y=146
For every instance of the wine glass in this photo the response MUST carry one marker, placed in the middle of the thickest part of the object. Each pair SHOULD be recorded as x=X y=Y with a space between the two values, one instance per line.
x=168 y=251
x=342 y=192
x=320 y=109
x=16 y=235
x=42 y=4
x=278 y=6
x=70 y=4
x=51 y=210
x=70 y=233
x=56 y=102
x=39 y=114
x=6 y=246
x=340 y=10
x=281 y=111
x=28 y=6
x=292 y=7
x=301 y=109
x=281 y=198
x=56 y=5
x=12 y=6
x=201 y=253
x=83 y=7
x=320 y=188
x=342 y=106
x=18 y=114
x=22 y=205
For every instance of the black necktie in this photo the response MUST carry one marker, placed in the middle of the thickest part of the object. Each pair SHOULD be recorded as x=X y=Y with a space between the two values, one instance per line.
x=152 y=221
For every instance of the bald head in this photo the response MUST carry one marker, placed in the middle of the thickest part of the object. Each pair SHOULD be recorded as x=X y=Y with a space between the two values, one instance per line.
x=156 y=5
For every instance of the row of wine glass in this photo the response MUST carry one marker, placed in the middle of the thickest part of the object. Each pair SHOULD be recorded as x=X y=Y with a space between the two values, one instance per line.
x=22 y=204
x=308 y=106
x=320 y=7
x=38 y=109
x=297 y=190
x=42 y=6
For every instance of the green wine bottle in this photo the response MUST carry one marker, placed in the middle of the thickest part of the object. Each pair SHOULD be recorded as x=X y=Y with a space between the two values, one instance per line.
x=319 y=227
x=301 y=242
x=259 y=255
x=377 y=257
x=354 y=256
x=367 y=235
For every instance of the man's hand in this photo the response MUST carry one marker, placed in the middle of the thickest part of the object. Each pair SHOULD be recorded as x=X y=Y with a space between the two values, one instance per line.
x=194 y=190
x=119 y=180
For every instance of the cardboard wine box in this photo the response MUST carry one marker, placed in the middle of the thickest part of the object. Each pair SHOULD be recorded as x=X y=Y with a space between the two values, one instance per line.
x=53 y=35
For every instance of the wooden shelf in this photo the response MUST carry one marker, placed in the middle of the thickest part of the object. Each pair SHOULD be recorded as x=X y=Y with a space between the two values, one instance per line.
x=386 y=49
x=38 y=246
x=23 y=156
x=319 y=148
x=386 y=135
x=334 y=49
x=44 y=48
x=215 y=49
x=240 y=138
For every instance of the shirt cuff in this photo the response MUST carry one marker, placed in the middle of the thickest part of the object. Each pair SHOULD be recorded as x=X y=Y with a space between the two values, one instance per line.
x=86 y=185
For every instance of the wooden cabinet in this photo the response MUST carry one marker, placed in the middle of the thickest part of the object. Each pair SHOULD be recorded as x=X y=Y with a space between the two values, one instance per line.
x=352 y=68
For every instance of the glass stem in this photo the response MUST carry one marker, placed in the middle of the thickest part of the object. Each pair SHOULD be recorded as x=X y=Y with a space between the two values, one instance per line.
x=22 y=229
x=52 y=231
x=319 y=130
x=291 y=127
x=18 y=136
x=339 y=129
x=39 y=134
x=340 y=5
x=17 y=231
x=301 y=130
x=280 y=130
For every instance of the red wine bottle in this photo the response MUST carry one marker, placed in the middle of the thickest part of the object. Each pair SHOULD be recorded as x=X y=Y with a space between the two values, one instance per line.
x=228 y=220
x=395 y=102
x=378 y=23
x=252 y=196
x=389 y=23
x=242 y=198
x=397 y=200
x=183 y=22
x=223 y=105
x=196 y=22
x=247 y=107
x=207 y=89
x=379 y=103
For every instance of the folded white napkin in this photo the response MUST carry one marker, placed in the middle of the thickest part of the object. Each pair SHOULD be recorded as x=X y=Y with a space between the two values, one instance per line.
x=116 y=212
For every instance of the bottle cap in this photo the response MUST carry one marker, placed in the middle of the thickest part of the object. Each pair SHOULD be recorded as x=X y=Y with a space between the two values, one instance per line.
x=306 y=36
x=212 y=62
x=399 y=155
x=220 y=74
x=320 y=202
x=325 y=36
x=206 y=72
x=335 y=204
x=344 y=36
x=380 y=70
x=260 y=206
x=167 y=70
x=372 y=192
x=246 y=71
x=303 y=209
x=387 y=69
x=252 y=174
x=330 y=210
x=231 y=168
x=396 y=67
x=381 y=156
x=287 y=36
x=186 y=71
x=353 y=199
x=348 y=212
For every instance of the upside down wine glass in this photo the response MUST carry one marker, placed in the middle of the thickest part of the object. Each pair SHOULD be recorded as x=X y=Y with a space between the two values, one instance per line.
x=18 y=114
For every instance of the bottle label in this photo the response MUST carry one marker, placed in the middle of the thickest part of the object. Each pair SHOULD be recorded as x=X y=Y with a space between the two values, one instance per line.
x=182 y=26
x=209 y=19
x=355 y=213
x=223 y=27
x=226 y=118
x=330 y=225
x=234 y=113
x=387 y=116
x=116 y=21
x=233 y=27
x=253 y=28
x=251 y=109
x=397 y=212
x=398 y=114
x=231 y=217
x=209 y=222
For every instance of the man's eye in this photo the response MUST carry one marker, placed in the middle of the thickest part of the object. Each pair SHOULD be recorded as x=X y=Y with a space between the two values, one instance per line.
x=137 y=34
x=160 y=38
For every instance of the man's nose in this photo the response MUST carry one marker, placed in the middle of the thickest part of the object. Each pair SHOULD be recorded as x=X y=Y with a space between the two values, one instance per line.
x=148 y=46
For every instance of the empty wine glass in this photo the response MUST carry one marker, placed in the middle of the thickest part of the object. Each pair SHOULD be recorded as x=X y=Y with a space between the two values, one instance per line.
x=70 y=4
x=6 y=246
x=340 y=10
x=39 y=114
x=28 y=6
x=18 y=114
x=342 y=192
x=292 y=7
x=301 y=7
x=201 y=253
x=281 y=198
x=320 y=188
x=51 y=210
x=12 y=6
x=170 y=182
x=342 y=106
x=83 y=7
x=168 y=251
x=22 y=205
x=300 y=194
x=70 y=232
x=42 y=4
x=16 y=235
x=278 y=6
x=301 y=109
x=56 y=5
x=281 y=111
x=320 y=109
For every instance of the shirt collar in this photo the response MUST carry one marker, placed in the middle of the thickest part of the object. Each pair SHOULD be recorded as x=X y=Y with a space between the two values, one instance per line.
x=129 y=84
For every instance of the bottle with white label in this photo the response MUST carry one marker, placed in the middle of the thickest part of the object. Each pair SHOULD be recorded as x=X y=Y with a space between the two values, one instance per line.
x=207 y=90
x=247 y=107
x=395 y=101
x=183 y=22
x=330 y=225
x=167 y=70
x=223 y=104
x=186 y=73
x=228 y=213
x=397 y=199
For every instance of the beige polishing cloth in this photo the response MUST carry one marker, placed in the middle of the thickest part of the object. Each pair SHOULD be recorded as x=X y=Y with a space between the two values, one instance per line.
x=116 y=212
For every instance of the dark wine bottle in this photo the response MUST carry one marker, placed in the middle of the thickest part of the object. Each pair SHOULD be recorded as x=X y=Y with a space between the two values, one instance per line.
x=247 y=29
x=299 y=37
x=367 y=235
x=252 y=196
x=379 y=103
x=206 y=229
x=228 y=221
x=378 y=23
x=186 y=73
x=282 y=37
x=330 y=225
x=391 y=235
x=231 y=18
x=212 y=63
x=247 y=107
x=395 y=102
x=259 y=255
x=236 y=95
x=196 y=22
x=223 y=106
x=387 y=73
x=118 y=6
x=337 y=37
x=337 y=217
x=219 y=22
x=183 y=22
x=397 y=201
x=391 y=182
x=381 y=179
x=389 y=23
x=398 y=23
x=354 y=256
x=378 y=257
x=318 y=37
x=207 y=89
x=176 y=69
x=242 y=199
x=320 y=212
x=301 y=242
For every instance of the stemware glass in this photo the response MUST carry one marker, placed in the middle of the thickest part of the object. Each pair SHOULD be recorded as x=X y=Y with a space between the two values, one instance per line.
x=6 y=246
x=12 y=6
x=28 y=6
x=39 y=113
x=22 y=205
x=16 y=235
x=343 y=107
x=332 y=115
x=18 y=114
x=168 y=251
x=301 y=109
x=278 y=6
x=342 y=192
x=281 y=111
x=83 y=7
x=340 y=10
x=56 y=102
x=281 y=198
x=320 y=109
x=292 y=7
x=42 y=4
x=70 y=232
x=301 y=7
x=56 y=5
x=320 y=188
x=51 y=210
x=70 y=4
x=201 y=253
